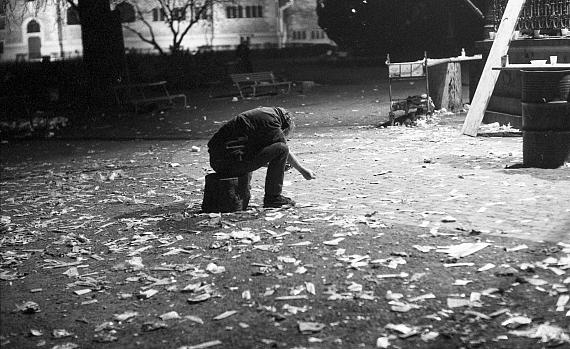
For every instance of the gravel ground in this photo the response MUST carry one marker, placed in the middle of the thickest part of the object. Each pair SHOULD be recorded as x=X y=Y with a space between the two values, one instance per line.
x=106 y=238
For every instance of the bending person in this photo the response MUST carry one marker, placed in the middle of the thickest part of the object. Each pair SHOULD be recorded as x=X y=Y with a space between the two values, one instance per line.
x=253 y=139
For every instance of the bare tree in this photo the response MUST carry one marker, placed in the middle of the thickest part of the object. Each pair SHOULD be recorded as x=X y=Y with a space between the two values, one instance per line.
x=16 y=11
x=178 y=15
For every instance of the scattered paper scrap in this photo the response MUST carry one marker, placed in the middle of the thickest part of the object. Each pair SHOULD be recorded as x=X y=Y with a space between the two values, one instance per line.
x=424 y=249
x=422 y=297
x=195 y=319
x=382 y=342
x=310 y=327
x=405 y=330
x=202 y=345
x=462 y=250
x=61 y=333
x=153 y=326
x=126 y=315
x=562 y=301
x=545 y=332
x=147 y=294
x=226 y=314
x=517 y=248
x=215 y=269
x=310 y=288
x=386 y=276
x=199 y=298
x=458 y=302
x=462 y=282
x=477 y=314
x=288 y=298
x=333 y=242
x=82 y=292
x=429 y=336
x=486 y=267
x=169 y=316
x=29 y=307
x=536 y=282
x=516 y=321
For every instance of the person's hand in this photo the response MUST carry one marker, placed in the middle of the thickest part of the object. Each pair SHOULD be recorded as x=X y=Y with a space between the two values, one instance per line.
x=308 y=174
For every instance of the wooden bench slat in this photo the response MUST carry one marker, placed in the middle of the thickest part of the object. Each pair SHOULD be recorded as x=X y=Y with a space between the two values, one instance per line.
x=146 y=84
x=251 y=81
x=136 y=96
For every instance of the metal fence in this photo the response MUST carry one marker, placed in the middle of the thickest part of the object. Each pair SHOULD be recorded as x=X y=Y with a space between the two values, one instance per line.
x=538 y=14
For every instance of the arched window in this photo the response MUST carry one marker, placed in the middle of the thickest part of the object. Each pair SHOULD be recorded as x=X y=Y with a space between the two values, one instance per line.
x=33 y=27
x=127 y=12
x=72 y=16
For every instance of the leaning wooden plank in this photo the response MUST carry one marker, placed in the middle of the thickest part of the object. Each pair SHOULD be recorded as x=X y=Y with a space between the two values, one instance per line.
x=489 y=76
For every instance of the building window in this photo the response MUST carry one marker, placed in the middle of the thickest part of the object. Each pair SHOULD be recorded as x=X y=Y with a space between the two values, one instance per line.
x=179 y=14
x=33 y=27
x=2 y=16
x=317 y=34
x=72 y=16
x=239 y=11
x=126 y=12
x=253 y=11
x=205 y=14
x=299 y=35
x=231 y=12
x=158 y=14
x=1 y=47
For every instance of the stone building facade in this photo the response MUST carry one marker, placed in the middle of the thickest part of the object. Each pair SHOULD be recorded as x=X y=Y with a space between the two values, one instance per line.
x=54 y=30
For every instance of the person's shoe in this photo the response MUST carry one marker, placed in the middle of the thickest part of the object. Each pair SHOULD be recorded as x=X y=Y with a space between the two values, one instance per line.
x=277 y=201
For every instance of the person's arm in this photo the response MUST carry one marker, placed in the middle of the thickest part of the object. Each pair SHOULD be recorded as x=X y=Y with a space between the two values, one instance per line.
x=293 y=161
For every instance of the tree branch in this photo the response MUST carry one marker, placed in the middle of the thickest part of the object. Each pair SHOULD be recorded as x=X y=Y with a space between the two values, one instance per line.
x=152 y=40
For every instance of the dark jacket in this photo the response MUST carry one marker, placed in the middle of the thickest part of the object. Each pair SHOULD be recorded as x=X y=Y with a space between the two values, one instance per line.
x=254 y=129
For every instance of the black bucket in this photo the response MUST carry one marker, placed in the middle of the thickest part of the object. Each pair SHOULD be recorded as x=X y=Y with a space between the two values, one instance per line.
x=225 y=194
x=545 y=119
x=564 y=88
x=546 y=149
x=553 y=116
x=541 y=86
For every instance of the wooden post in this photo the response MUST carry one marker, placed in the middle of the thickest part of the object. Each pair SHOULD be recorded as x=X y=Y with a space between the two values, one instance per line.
x=453 y=90
x=489 y=76
x=445 y=85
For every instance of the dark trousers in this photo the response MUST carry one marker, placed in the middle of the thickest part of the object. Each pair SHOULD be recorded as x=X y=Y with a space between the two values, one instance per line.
x=274 y=156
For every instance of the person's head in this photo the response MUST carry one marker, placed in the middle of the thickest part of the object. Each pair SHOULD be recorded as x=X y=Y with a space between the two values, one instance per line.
x=287 y=123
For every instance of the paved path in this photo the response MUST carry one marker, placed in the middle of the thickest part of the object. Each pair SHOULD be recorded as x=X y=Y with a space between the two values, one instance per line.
x=416 y=176
x=432 y=177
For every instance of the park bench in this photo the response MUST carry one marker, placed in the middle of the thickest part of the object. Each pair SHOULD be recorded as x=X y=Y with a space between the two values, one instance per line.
x=144 y=94
x=249 y=84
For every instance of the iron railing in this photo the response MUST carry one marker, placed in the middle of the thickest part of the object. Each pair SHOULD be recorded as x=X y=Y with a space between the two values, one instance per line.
x=537 y=14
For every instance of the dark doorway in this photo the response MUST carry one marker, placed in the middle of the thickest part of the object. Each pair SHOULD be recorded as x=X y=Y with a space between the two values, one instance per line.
x=34 y=47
